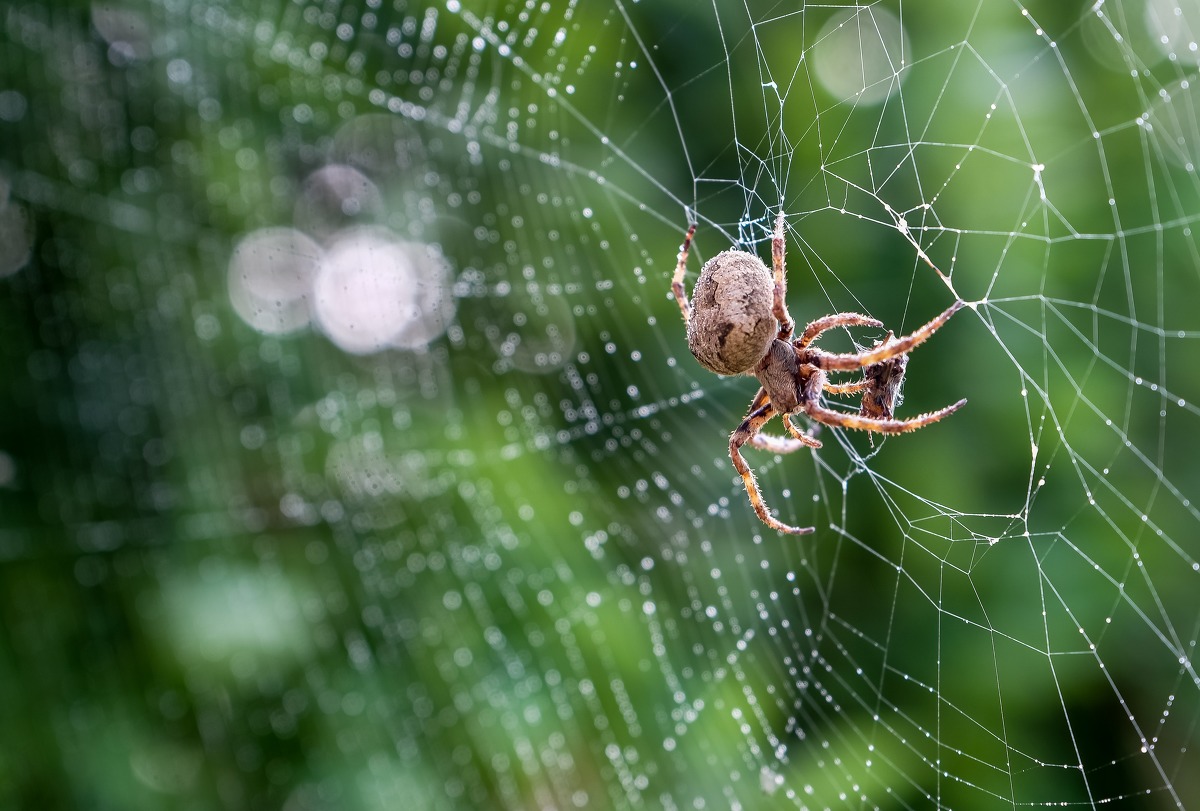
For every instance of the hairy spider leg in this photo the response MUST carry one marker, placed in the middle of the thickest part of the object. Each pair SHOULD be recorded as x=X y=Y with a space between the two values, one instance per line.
x=829 y=322
x=744 y=433
x=783 y=444
x=805 y=439
x=779 y=444
x=841 y=389
x=861 y=423
x=830 y=361
x=677 y=287
x=779 y=306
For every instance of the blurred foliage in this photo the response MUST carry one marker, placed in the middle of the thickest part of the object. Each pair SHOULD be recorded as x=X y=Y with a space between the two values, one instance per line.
x=513 y=568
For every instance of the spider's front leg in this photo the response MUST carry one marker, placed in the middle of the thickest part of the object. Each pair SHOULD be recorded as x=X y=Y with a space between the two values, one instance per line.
x=884 y=350
x=745 y=433
x=828 y=322
x=677 y=288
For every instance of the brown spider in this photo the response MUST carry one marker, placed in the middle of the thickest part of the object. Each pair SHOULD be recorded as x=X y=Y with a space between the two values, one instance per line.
x=739 y=323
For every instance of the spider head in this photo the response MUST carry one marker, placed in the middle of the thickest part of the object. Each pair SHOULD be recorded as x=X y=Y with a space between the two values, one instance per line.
x=731 y=325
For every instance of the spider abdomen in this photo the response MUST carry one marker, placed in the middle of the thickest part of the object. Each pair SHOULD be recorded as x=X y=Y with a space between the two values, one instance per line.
x=731 y=324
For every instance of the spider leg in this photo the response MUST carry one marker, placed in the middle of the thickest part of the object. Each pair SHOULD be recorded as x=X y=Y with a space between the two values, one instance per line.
x=860 y=423
x=779 y=308
x=804 y=439
x=885 y=351
x=779 y=444
x=846 y=388
x=677 y=288
x=744 y=433
x=760 y=400
x=783 y=444
x=830 y=321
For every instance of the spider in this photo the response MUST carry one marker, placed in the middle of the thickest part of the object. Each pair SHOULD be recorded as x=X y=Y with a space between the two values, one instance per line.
x=738 y=323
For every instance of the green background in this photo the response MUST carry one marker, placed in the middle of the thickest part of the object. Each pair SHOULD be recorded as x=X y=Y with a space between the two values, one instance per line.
x=514 y=568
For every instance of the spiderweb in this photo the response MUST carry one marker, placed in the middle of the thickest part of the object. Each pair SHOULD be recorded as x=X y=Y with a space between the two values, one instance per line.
x=352 y=456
